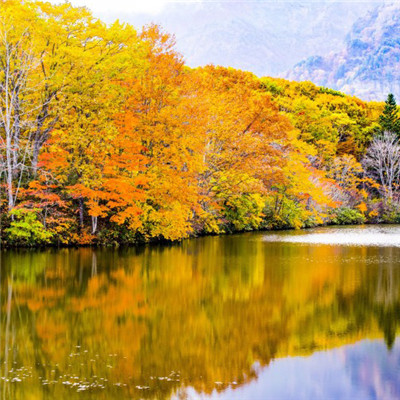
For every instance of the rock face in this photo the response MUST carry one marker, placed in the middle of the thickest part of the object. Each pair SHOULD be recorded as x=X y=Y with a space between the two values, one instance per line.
x=265 y=37
x=369 y=66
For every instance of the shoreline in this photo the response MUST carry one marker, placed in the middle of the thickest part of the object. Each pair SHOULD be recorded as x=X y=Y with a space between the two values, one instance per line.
x=165 y=242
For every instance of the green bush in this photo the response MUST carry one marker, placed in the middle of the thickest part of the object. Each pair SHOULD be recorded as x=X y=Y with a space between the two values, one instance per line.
x=244 y=213
x=390 y=212
x=26 y=230
x=290 y=214
x=348 y=216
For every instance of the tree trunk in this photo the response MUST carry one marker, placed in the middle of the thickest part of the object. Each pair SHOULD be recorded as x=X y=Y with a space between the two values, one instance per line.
x=94 y=225
x=81 y=213
x=10 y=194
x=35 y=157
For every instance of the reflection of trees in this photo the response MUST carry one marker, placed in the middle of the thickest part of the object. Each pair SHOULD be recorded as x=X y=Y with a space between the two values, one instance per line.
x=387 y=291
x=387 y=300
x=7 y=342
x=209 y=308
x=377 y=297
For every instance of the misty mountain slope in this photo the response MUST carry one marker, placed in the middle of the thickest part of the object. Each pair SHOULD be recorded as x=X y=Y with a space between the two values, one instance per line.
x=369 y=66
x=263 y=37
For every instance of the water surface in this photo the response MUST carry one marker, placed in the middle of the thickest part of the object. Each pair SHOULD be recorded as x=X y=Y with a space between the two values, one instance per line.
x=294 y=315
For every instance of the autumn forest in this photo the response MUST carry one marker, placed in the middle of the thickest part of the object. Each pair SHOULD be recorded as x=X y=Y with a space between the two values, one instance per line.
x=107 y=137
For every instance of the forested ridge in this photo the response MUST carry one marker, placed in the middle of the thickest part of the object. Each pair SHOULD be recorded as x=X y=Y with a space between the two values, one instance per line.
x=106 y=137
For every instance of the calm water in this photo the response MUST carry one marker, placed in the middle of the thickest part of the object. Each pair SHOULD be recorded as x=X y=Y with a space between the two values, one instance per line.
x=294 y=315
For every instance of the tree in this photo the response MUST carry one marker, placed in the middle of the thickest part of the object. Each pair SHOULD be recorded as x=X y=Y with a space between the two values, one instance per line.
x=17 y=63
x=350 y=181
x=160 y=114
x=49 y=56
x=389 y=120
x=382 y=163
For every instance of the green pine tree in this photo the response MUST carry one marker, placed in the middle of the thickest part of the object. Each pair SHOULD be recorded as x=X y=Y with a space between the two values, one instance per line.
x=390 y=120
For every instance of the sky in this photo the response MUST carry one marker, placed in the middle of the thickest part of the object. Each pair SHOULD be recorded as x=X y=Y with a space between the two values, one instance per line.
x=104 y=7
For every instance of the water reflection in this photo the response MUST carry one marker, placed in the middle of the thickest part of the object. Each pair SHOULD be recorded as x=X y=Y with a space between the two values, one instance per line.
x=362 y=371
x=209 y=317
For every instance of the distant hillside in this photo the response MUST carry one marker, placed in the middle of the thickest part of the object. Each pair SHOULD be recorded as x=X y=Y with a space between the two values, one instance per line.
x=369 y=66
x=265 y=37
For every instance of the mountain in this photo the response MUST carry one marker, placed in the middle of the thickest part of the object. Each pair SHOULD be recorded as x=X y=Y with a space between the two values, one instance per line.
x=369 y=65
x=265 y=37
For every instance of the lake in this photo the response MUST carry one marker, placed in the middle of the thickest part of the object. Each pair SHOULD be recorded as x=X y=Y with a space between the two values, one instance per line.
x=311 y=314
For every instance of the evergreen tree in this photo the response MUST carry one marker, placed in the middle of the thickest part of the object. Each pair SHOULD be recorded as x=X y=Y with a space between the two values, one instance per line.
x=390 y=120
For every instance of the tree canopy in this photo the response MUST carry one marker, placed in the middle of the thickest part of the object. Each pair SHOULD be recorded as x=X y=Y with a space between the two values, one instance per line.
x=390 y=119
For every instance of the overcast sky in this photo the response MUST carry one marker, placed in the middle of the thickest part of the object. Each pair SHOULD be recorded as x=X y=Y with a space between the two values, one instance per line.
x=115 y=7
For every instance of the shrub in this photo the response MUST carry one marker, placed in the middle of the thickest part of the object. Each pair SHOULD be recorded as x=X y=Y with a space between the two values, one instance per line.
x=390 y=212
x=348 y=216
x=26 y=230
